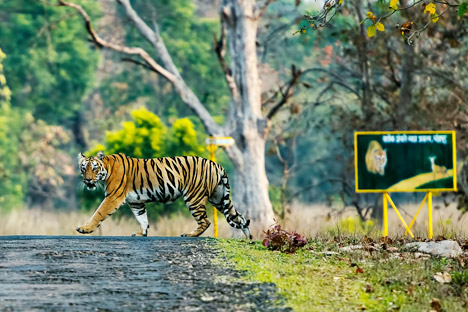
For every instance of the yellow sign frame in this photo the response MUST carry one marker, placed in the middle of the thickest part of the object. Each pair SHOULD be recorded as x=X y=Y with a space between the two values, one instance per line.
x=454 y=155
x=429 y=192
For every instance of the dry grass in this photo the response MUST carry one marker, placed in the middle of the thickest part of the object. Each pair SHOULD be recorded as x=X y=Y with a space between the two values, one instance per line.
x=309 y=220
x=318 y=219
x=39 y=222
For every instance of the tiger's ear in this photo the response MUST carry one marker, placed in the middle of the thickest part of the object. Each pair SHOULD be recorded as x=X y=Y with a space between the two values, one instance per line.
x=80 y=157
x=100 y=155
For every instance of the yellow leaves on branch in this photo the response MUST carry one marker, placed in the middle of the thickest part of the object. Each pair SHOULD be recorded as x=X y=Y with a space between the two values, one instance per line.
x=375 y=25
x=393 y=4
x=380 y=26
x=431 y=9
x=371 y=31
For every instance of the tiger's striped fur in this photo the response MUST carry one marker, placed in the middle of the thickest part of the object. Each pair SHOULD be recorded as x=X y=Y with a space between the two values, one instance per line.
x=138 y=181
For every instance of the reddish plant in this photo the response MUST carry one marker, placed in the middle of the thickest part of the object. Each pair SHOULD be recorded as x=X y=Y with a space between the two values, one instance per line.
x=278 y=239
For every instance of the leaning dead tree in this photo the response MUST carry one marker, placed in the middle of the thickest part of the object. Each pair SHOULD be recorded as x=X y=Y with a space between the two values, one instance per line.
x=245 y=120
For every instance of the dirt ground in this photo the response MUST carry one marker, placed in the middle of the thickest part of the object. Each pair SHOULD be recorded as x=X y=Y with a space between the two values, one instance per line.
x=47 y=273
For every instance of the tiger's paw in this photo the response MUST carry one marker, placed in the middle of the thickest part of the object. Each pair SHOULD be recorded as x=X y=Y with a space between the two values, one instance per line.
x=192 y=234
x=84 y=229
x=140 y=234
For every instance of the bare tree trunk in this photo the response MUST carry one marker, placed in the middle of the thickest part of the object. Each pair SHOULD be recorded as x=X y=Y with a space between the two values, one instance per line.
x=405 y=104
x=362 y=49
x=251 y=187
x=245 y=121
x=402 y=119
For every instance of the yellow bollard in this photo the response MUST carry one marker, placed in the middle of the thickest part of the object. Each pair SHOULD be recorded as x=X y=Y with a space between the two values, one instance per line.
x=429 y=213
x=212 y=149
x=385 y=214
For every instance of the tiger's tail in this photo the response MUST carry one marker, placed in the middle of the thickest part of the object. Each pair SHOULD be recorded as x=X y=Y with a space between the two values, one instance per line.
x=233 y=217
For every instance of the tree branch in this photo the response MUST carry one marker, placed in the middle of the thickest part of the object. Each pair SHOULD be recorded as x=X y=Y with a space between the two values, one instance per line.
x=219 y=47
x=124 y=49
x=186 y=94
x=171 y=73
x=130 y=60
x=287 y=94
x=260 y=8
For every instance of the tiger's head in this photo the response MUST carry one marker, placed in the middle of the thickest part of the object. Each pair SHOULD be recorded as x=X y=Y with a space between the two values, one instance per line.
x=380 y=158
x=239 y=222
x=92 y=169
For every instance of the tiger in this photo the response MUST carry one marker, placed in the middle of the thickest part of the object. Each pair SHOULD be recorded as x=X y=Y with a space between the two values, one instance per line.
x=138 y=181
x=376 y=158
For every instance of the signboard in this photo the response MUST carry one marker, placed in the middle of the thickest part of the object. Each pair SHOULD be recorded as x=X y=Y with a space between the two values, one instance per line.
x=219 y=141
x=405 y=161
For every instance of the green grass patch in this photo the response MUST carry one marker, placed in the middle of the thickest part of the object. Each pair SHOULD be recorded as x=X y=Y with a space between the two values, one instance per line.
x=311 y=280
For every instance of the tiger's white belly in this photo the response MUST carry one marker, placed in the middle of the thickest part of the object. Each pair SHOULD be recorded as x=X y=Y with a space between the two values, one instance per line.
x=134 y=197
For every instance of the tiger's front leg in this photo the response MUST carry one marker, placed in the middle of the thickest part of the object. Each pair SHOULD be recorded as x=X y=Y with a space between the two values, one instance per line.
x=139 y=211
x=105 y=209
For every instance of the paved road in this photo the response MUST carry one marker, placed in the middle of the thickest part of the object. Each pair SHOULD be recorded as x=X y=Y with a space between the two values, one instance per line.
x=123 y=274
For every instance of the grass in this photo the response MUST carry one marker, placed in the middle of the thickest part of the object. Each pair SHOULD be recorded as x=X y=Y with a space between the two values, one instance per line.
x=309 y=280
x=309 y=220
x=40 y=222
x=380 y=281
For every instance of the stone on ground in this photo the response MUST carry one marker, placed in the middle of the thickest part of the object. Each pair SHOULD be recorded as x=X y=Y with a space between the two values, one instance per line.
x=445 y=248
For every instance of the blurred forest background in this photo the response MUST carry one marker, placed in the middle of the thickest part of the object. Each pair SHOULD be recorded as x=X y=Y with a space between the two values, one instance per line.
x=60 y=95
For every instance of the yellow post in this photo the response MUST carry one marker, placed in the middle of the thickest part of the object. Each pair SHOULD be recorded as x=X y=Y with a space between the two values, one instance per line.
x=212 y=148
x=429 y=213
x=385 y=214
x=417 y=213
x=399 y=215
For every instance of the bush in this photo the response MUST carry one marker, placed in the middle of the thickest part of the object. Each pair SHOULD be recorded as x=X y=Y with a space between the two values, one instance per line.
x=460 y=278
x=282 y=240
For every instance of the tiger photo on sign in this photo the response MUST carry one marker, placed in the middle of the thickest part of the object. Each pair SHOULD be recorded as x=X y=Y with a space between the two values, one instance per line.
x=376 y=158
x=138 y=181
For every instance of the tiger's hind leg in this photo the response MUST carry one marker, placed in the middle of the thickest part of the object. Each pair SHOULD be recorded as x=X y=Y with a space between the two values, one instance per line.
x=198 y=211
x=139 y=211
x=221 y=200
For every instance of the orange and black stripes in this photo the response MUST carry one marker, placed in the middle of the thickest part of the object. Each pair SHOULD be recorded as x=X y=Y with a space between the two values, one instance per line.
x=138 y=181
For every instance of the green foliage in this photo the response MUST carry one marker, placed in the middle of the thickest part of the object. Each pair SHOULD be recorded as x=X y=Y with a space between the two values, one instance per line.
x=12 y=177
x=189 y=40
x=147 y=137
x=354 y=225
x=183 y=139
x=460 y=277
x=46 y=165
x=274 y=192
x=51 y=63
x=462 y=9
x=31 y=167
x=357 y=281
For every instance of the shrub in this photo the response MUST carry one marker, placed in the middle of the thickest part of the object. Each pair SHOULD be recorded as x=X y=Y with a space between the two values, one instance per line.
x=282 y=240
x=460 y=278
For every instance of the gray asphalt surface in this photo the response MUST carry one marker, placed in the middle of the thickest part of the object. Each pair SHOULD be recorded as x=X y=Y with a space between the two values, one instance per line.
x=43 y=273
